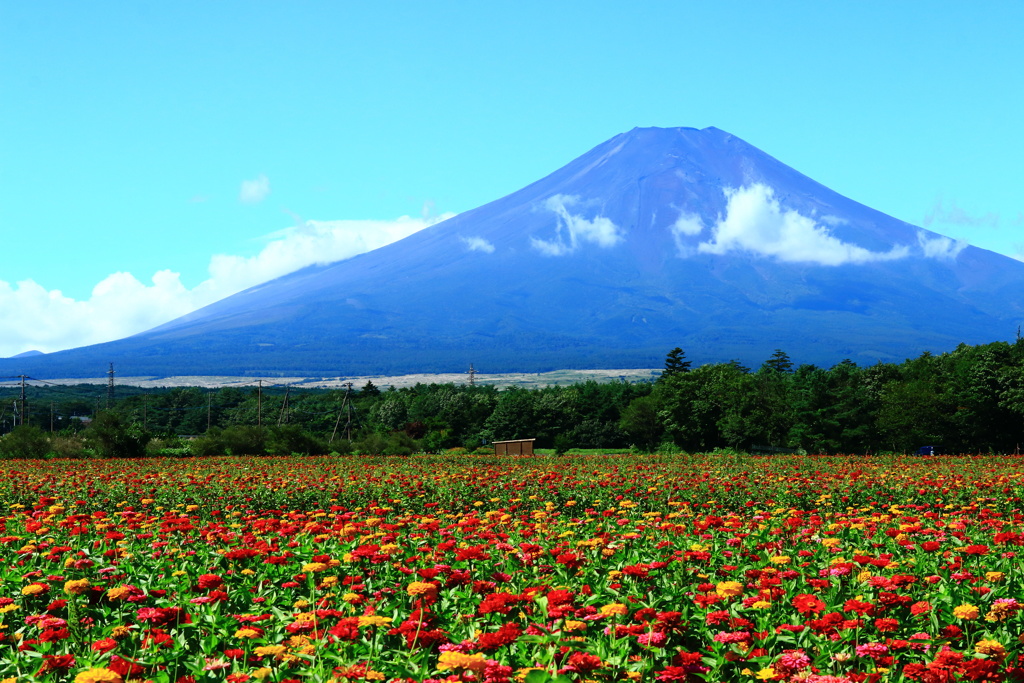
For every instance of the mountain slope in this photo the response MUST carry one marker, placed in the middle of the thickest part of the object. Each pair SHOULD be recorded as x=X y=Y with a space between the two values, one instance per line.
x=654 y=239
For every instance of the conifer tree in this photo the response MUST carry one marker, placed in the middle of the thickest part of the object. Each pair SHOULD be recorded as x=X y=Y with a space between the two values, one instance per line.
x=675 y=362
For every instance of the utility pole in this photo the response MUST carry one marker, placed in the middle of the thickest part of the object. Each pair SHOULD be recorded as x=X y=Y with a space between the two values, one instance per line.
x=284 y=406
x=23 y=406
x=110 y=386
x=259 y=403
x=346 y=407
x=337 y=422
x=348 y=411
x=472 y=375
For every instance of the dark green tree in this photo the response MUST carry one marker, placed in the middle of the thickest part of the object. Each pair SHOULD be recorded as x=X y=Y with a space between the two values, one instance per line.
x=779 y=362
x=694 y=406
x=110 y=435
x=514 y=416
x=675 y=362
x=641 y=424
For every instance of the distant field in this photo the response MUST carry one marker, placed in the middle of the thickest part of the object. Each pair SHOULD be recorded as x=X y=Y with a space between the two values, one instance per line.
x=521 y=379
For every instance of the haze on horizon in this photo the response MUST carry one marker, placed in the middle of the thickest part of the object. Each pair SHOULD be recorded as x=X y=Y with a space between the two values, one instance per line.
x=156 y=159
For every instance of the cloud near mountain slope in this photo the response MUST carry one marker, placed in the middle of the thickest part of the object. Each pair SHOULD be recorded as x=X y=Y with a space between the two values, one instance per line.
x=755 y=222
x=120 y=305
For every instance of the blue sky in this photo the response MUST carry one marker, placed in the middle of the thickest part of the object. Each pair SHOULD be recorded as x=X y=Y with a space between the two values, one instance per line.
x=156 y=156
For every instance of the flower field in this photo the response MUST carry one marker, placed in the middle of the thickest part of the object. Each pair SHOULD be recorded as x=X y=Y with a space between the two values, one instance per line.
x=625 y=568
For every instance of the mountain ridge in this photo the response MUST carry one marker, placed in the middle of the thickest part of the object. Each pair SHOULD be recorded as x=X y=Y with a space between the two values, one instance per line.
x=655 y=238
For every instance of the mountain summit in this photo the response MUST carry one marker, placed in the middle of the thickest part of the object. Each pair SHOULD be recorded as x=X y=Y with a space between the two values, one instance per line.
x=657 y=238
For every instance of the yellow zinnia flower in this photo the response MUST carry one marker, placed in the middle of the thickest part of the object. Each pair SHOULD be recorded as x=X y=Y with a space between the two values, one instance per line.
x=421 y=588
x=613 y=609
x=457 y=660
x=993 y=648
x=966 y=611
x=98 y=675
x=729 y=589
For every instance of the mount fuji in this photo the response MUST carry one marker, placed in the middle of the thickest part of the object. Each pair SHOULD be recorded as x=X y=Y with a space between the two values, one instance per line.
x=656 y=238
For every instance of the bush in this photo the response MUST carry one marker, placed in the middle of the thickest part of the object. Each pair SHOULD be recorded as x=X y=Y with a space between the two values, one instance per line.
x=170 y=447
x=112 y=436
x=290 y=439
x=244 y=440
x=340 y=447
x=235 y=440
x=25 y=441
x=248 y=440
x=562 y=444
x=209 y=443
x=397 y=443
x=67 y=446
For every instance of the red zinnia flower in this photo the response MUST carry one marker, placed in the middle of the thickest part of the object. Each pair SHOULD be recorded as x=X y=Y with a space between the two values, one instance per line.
x=805 y=603
x=208 y=581
x=584 y=662
x=104 y=645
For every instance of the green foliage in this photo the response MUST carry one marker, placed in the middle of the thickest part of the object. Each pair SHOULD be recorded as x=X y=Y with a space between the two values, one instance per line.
x=169 y=447
x=675 y=362
x=67 y=446
x=779 y=362
x=968 y=400
x=237 y=440
x=291 y=439
x=111 y=435
x=397 y=443
x=641 y=423
x=562 y=444
x=25 y=441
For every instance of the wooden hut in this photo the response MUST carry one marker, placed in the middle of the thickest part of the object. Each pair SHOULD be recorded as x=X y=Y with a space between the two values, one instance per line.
x=514 y=447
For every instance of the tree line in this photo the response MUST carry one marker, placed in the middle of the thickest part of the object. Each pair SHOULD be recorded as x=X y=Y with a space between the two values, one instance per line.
x=968 y=400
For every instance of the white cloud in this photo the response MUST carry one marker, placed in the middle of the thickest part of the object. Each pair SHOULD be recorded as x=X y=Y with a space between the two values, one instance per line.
x=687 y=225
x=573 y=229
x=955 y=215
x=254 y=191
x=939 y=247
x=120 y=305
x=755 y=222
x=549 y=248
x=478 y=244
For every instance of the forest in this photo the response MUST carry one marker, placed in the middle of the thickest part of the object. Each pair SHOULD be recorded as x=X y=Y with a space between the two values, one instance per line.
x=969 y=400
